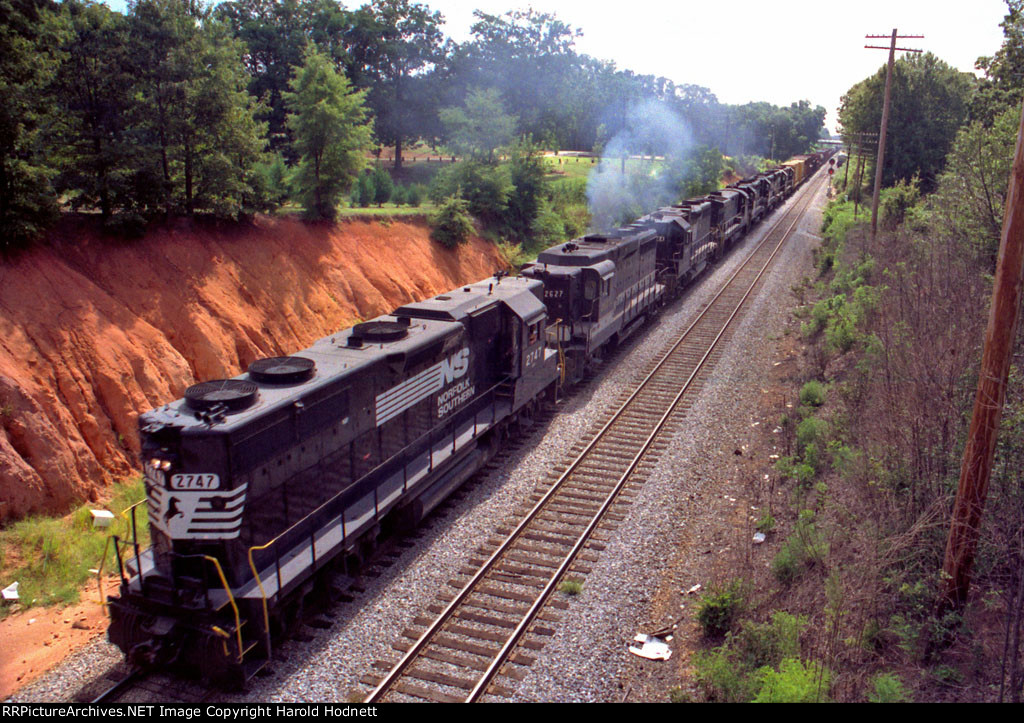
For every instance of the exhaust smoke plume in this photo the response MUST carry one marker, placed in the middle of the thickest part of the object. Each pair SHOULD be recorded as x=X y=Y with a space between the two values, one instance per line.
x=615 y=197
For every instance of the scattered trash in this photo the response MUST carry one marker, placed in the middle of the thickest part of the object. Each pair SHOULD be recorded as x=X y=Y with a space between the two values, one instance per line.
x=693 y=589
x=758 y=538
x=102 y=518
x=777 y=430
x=773 y=456
x=31 y=621
x=755 y=424
x=10 y=592
x=651 y=648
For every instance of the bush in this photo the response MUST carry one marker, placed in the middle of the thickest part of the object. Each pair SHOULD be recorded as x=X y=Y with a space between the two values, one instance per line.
x=812 y=394
x=723 y=678
x=451 y=223
x=888 y=688
x=719 y=608
x=803 y=548
x=760 y=644
x=794 y=682
x=415 y=195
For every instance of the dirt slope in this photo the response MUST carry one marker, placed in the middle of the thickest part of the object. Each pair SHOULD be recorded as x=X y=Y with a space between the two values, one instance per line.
x=92 y=332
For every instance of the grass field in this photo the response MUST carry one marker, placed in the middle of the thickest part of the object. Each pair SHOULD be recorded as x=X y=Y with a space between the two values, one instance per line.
x=51 y=557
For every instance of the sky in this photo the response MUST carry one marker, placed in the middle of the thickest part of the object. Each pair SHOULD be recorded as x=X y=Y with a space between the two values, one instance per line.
x=753 y=50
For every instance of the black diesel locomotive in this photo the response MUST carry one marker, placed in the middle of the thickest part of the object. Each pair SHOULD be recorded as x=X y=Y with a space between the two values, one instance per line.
x=254 y=484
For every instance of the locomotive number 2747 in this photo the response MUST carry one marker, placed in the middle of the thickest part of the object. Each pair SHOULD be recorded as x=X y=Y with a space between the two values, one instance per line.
x=195 y=482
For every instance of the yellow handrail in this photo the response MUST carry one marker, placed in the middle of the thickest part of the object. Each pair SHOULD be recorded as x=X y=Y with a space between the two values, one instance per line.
x=231 y=599
x=263 y=593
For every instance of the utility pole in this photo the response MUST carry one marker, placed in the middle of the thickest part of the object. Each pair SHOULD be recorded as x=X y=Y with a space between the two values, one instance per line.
x=988 y=403
x=885 y=118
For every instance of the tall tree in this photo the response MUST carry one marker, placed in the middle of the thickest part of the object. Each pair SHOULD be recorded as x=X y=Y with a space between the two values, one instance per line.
x=391 y=45
x=93 y=89
x=929 y=103
x=332 y=133
x=275 y=33
x=480 y=128
x=29 y=34
x=193 y=104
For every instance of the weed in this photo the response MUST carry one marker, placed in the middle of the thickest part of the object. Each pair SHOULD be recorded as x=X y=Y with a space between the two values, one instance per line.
x=719 y=608
x=794 y=682
x=760 y=644
x=723 y=678
x=888 y=688
x=679 y=695
x=55 y=554
x=802 y=549
x=571 y=587
x=767 y=523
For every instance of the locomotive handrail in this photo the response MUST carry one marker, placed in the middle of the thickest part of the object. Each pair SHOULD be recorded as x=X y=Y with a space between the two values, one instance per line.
x=231 y=599
x=263 y=593
x=428 y=435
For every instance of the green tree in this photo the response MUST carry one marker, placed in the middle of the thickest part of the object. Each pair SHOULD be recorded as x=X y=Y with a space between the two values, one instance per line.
x=528 y=190
x=481 y=128
x=971 y=194
x=1001 y=87
x=192 y=103
x=275 y=33
x=928 y=105
x=383 y=185
x=92 y=142
x=29 y=34
x=332 y=133
x=391 y=45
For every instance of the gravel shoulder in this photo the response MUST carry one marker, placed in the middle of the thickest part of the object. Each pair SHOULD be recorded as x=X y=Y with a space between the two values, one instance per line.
x=681 y=524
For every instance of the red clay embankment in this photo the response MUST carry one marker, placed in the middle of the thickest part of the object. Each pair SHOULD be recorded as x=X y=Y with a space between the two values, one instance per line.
x=93 y=332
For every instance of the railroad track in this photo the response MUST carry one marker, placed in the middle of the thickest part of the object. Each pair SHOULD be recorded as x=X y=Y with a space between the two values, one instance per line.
x=481 y=637
x=139 y=686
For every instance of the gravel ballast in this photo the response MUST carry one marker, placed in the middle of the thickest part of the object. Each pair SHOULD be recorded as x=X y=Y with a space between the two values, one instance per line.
x=653 y=550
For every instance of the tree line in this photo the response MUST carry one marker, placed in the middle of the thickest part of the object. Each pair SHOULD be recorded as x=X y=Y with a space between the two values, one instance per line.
x=178 y=107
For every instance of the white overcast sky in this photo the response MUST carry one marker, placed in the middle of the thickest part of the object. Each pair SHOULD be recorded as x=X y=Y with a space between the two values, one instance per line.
x=752 y=50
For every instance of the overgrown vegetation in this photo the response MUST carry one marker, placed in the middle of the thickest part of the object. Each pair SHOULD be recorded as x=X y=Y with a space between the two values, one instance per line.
x=51 y=558
x=893 y=329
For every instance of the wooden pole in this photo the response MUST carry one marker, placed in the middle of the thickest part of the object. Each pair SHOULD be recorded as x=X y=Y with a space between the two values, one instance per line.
x=881 y=138
x=988 y=403
x=885 y=120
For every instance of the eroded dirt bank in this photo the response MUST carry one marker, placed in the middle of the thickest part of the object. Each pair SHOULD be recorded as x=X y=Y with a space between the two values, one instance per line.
x=92 y=332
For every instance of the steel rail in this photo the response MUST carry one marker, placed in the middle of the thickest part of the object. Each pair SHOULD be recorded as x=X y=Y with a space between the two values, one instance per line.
x=534 y=610
x=414 y=651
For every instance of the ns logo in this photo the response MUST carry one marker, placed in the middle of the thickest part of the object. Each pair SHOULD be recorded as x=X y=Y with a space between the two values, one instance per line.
x=455 y=366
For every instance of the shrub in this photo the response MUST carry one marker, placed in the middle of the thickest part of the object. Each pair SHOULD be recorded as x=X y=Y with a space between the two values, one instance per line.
x=451 y=223
x=803 y=548
x=812 y=394
x=794 y=682
x=769 y=643
x=719 y=607
x=723 y=678
x=888 y=688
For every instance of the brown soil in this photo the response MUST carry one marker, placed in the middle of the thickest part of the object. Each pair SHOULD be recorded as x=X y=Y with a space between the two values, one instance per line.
x=93 y=331
x=36 y=640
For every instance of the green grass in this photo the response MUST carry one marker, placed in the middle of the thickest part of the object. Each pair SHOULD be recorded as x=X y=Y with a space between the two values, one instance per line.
x=389 y=209
x=571 y=587
x=51 y=557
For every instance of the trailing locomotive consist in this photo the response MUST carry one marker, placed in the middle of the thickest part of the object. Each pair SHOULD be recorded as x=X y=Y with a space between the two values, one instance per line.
x=256 y=484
